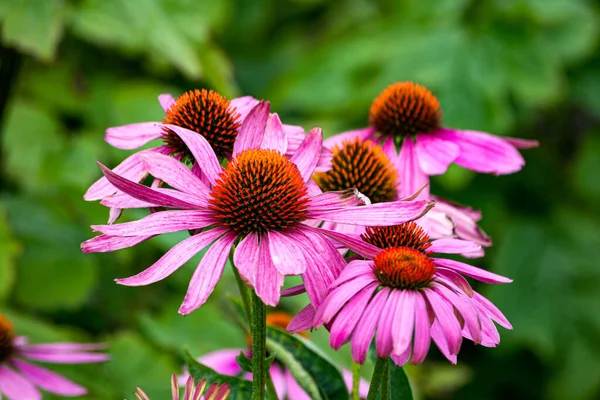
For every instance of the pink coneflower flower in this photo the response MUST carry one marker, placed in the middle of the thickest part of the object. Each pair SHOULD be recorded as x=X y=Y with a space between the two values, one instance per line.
x=407 y=114
x=192 y=391
x=224 y=362
x=260 y=198
x=405 y=298
x=381 y=176
x=203 y=112
x=20 y=379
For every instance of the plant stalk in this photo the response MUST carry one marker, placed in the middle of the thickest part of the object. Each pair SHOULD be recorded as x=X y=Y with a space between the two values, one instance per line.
x=243 y=288
x=355 y=381
x=258 y=329
x=380 y=380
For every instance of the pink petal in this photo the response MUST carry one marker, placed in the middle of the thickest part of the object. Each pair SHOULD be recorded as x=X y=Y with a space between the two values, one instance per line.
x=243 y=105
x=252 y=129
x=353 y=270
x=384 y=342
x=463 y=304
x=173 y=259
x=222 y=361
x=64 y=358
x=380 y=214
x=447 y=320
x=160 y=222
x=65 y=347
x=166 y=101
x=485 y=153
x=294 y=390
x=422 y=338
x=173 y=172
x=402 y=327
x=453 y=246
x=365 y=329
x=287 y=253
x=131 y=168
x=274 y=137
x=303 y=320
x=363 y=133
x=308 y=153
x=49 y=381
x=346 y=319
x=268 y=279
x=207 y=274
x=133 y=136
x=440 y=340
x=401 y=359
x=246 y=256
x=125 y=201
x=105 y=243
x=435 y=153
x=338 y=297
x=201 y=150
x=355 y=244
x=15 y=387
x=522 y=143
x=411 y=177
x=142 y=192
x=469 y=270
x=294 y=290
x=335 y=200
x=494 y=312
x=363 y=385
x=456 y=279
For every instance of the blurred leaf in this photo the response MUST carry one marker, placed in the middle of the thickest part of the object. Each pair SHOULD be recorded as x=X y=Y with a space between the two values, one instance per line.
x=9 y=250
x=34 y=27
x=310 y=368
x=240 y=388
x=586 y=169
x=399 y=384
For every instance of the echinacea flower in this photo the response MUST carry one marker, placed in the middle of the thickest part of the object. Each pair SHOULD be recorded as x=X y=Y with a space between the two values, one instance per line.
x=224 y=362
x=408 y=114
x=381 y=176
x=405 y=298
x=20 y=379
x=261 y=198
x=214 y=392
x=203 y=112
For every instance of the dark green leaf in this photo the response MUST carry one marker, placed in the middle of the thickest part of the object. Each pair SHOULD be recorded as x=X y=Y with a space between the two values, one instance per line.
x=399 y=384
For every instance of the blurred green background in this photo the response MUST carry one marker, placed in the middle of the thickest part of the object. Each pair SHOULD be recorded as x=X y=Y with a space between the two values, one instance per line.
x=526 y=68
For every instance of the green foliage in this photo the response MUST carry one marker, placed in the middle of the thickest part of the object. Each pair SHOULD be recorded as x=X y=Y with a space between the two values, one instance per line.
x=399 y=384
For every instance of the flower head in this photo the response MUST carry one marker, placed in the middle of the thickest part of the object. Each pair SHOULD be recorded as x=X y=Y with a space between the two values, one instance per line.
x=409 y=115
x=192 y=391
x=20 y=379
x=405 y=298
x=262 y=200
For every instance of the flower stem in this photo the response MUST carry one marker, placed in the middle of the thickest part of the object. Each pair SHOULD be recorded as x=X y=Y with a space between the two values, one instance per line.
x=243 y=288
x=380 y=380
x=355 y=381
x=258 y=329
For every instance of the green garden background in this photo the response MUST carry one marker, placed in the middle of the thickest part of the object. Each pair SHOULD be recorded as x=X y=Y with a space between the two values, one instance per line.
x=524 y=68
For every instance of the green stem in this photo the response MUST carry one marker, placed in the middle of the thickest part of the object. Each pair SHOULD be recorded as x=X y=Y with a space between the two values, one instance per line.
x=258 y=329
x=380 y=380
x=355 y=381
x=243 y=288
x=271 y=392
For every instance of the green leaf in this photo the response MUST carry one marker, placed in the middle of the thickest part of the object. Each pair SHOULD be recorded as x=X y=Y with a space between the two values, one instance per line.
x=317 y=375
x=9 y=251
x=33 y=26
x=240 y=388
x=399 y=384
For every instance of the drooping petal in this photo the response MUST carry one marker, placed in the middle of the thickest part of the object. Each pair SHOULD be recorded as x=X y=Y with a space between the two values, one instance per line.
x=522 y=143
x=365 y=329
x=125 y=201
x=380 y=214
x=337 y=199
x=422 y=339
x=303 y=320
x=64 y=347
x=166 y=101
x=207 y=274
x=456 y=279
x=469 y=270
x=355 y=244
x=402 y=327
x=440 y=340
x=346 y=319
x=435 y=153
x=287 y=253
x=293 y=291
x=252 y=129
x=494 y=312
x=269 y=280
x=133 y=136
x=222 y=361
x=49 y=381
x=274 y=136
x=411 y=177
x=16 y=387
x=173 y=259
x=160 y=222
x=336 y=140
x=106 y=244
x=142 y=192
x=447 y=320
x=453 y=246
x=294 y=390
x=482 y=152
x=201 y=150
x=307 y=156
x=243 y=105
x=384 y=342
x=339 y=296
x=173 y=172
x=64 y=358
x=463 y=304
